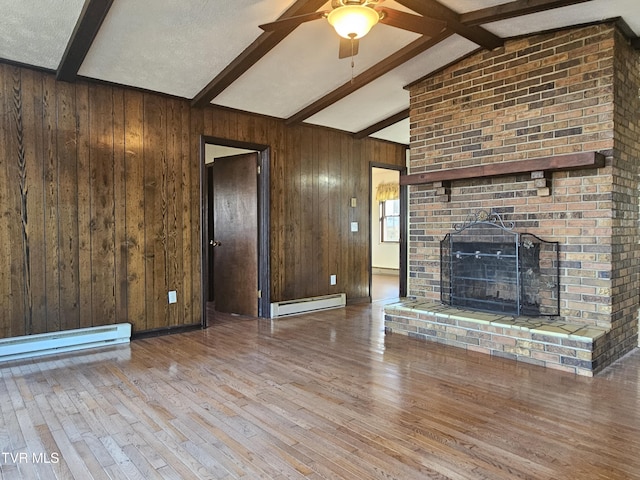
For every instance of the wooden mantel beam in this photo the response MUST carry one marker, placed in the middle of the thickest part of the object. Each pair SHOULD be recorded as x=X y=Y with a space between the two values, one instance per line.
x=548 y=164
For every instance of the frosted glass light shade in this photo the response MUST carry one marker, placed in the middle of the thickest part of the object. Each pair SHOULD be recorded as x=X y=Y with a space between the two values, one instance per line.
x=353 y=21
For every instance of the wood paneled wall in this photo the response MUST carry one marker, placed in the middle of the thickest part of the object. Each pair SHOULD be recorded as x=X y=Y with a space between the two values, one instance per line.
x=314 y=174
x=100 y=204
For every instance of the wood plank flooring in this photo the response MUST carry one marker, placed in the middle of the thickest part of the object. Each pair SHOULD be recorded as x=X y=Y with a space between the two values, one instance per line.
x=324 y=395
x=384 y=287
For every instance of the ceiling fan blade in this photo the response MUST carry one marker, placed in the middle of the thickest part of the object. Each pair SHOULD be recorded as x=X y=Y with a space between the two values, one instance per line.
x=413 y=23
x=292 y=22
x=345 y=47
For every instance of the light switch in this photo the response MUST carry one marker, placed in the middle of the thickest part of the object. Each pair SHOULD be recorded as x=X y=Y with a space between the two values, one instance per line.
x=173 y=296
x=354 y=202
x=354 y=226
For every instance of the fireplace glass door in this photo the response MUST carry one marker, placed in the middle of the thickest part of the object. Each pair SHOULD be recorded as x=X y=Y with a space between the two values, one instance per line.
x=487 y=266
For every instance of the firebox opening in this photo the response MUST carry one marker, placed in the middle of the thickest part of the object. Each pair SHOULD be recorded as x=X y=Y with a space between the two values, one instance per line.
x=486 y=266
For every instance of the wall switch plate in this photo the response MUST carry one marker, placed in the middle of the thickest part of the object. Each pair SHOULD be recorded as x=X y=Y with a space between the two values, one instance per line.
x=354 y=226
x=333 y=280
x=173 y=296
x=354 y=202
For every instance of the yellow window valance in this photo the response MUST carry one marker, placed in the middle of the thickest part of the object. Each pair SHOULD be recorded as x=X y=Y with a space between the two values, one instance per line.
x=387 y=191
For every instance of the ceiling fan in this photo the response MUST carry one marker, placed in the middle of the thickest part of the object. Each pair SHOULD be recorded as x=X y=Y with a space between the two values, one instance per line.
x=352 y=20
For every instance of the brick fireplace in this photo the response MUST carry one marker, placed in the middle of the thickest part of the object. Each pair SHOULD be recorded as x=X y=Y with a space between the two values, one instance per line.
x=546 y=132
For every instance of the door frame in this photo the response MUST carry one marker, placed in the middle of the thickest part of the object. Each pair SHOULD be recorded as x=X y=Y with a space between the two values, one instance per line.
x=264 y=264
x=402 y=290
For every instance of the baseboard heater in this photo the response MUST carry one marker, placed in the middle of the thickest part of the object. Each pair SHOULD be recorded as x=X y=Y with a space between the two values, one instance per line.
x=64 y=341
x=304 y=305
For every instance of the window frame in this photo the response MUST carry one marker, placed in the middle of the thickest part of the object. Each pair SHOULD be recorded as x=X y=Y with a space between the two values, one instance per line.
x=383 y=215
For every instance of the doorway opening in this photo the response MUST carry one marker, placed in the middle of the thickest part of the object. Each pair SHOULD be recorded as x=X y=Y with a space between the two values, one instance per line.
x=235 y=234
x=388 y=239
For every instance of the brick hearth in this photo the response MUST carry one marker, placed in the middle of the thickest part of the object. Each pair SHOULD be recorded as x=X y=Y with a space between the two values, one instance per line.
x=564 y=346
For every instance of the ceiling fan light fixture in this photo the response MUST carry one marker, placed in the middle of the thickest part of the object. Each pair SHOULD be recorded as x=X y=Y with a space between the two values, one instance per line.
x=353 y=21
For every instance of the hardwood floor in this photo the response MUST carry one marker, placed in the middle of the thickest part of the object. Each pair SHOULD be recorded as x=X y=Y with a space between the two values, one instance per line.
x=323 y=395
x=384 y=287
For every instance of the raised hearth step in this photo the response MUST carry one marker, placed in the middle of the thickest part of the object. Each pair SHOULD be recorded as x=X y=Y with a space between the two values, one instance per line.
x=545 y=341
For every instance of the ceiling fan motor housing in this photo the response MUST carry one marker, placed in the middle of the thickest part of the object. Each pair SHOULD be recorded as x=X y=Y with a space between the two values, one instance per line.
x=341 y=3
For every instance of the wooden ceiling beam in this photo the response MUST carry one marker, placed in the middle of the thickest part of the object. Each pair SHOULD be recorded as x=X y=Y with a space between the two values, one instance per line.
x=387 y=122
x=513 y=9
x=84 y=33
x=254 y=52
x=434 y=9
x=401 y=56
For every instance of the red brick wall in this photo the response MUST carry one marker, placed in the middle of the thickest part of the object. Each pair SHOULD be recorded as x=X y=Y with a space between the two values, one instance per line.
x=546 y=95
x=625 y=287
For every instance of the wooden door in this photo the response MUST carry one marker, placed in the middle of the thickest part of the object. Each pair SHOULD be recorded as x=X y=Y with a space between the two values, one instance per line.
x=234 y=245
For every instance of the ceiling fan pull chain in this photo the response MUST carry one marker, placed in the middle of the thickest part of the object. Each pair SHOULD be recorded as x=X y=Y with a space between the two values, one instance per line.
x=352 y=65
x=352 y=61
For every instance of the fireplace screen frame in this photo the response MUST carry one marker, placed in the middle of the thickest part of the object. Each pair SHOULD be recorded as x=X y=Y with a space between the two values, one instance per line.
x=486 y=266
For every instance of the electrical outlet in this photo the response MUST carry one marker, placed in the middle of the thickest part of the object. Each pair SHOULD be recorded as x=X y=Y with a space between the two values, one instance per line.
x=173 y=296
x=333 y=280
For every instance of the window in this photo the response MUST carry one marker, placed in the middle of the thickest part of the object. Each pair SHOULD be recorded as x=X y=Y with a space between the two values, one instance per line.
x=390 y=220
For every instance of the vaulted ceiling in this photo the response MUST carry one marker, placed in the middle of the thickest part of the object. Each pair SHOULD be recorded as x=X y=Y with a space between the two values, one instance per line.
x=213 y=51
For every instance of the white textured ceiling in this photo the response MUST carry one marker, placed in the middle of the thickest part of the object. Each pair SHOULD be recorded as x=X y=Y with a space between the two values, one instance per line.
x=36 y=32
x=393 y=133
x=582 y=13
x=174 y=47
x=310 y=52
x=381 y=99
x=178 y=46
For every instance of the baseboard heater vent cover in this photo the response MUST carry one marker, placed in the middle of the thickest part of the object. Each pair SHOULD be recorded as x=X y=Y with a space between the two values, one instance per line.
x=310 y=304
x=64 y=341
